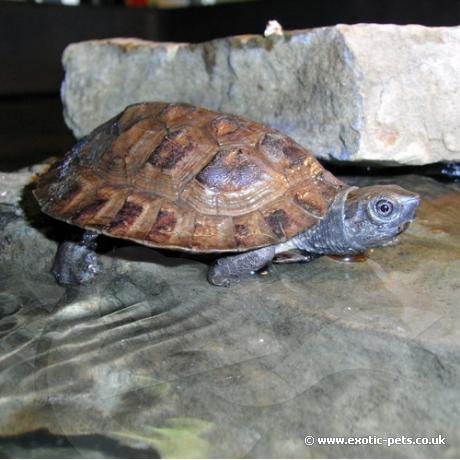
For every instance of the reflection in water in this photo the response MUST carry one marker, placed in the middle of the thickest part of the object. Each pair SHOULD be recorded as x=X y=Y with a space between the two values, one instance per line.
x=352 y=258
x=150 y=356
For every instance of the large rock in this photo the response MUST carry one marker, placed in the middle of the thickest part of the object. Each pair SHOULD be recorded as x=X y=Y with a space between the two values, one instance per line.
x=381 y=93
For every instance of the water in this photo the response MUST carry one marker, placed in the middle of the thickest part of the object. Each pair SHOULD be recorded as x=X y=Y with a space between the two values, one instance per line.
x=150 y=360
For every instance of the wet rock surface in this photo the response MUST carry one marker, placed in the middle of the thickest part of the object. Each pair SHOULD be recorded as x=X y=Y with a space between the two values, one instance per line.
x=152 y=358
x=367 y=92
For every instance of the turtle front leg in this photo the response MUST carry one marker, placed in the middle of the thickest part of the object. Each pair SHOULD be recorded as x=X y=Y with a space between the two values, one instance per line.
x=230 y=270
x=76 y=263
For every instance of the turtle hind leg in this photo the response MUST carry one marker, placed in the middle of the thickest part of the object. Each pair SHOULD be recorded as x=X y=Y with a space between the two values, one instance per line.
x=76 y=263
x=230 y=270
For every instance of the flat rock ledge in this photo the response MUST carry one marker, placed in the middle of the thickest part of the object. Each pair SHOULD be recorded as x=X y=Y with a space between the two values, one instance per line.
x=367 y=93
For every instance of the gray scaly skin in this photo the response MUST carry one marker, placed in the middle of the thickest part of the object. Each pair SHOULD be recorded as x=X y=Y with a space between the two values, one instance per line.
x=358 y=219
x=76 y=263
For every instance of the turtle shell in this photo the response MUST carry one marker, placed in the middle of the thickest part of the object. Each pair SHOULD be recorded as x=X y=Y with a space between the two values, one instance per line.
x=184 y=177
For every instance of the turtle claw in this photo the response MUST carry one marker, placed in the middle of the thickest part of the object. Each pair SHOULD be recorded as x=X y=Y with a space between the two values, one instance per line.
x=75 y=264
x=219 y=276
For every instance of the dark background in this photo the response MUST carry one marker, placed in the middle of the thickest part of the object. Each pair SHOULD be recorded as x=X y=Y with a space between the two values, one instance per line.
x=32 y=38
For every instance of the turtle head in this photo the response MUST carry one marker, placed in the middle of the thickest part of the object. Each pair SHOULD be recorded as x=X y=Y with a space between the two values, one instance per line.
x=374 y=216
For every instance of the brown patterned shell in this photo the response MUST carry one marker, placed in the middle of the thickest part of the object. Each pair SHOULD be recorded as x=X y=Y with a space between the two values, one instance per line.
x=183 y=177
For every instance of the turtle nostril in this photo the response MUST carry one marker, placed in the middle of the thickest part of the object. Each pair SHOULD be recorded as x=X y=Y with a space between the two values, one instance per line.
x=414 y=201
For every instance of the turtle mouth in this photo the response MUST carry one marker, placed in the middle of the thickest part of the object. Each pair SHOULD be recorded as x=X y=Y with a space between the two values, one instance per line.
x=403 y=227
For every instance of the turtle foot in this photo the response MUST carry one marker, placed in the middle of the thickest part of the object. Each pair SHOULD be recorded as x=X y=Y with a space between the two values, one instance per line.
x=231 y=270
x=75 y=264
x=219 y=275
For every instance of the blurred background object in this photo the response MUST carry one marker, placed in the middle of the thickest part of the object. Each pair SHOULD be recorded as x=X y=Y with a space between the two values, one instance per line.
x=33 y=37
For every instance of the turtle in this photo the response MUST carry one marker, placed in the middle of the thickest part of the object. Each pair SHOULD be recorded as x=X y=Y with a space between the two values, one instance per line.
x=182 y=177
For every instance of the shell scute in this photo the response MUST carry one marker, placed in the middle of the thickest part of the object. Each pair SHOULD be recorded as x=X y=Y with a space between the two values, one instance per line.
x=163 y=227
x=172 y=226
x=233 y=183
x=232 y=170
x=284 y=218
x=126 y=216
x=282 y=150
x=133 y=114
x=89 y=211
x=69 y=195
x=96 y=207
x=316 y=195
x=251 y=230
x=289 y=158
x=213 y=232
x=176 y=114
x=173 y=148
x=233 y=130
x=135 y=217
x=90 y=149
x=174 y=161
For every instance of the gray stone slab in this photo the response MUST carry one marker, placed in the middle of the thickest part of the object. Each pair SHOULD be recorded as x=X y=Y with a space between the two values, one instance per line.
x=376 y=93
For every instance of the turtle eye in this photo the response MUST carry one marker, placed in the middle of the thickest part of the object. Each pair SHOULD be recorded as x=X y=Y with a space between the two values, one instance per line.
x=384 y=208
